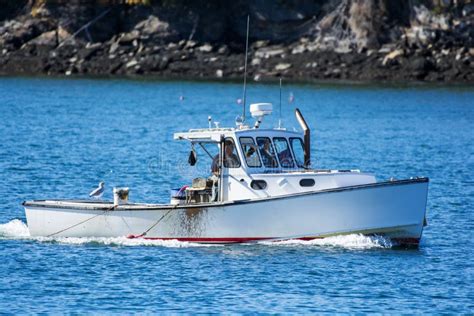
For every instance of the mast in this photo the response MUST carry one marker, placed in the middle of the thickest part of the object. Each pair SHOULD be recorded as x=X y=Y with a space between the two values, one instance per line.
x=279 y=117
x=245 y=68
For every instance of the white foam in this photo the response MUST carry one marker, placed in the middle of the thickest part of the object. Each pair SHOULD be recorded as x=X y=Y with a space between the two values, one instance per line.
x=119 y=241
x=16 y=229
x=353 y=241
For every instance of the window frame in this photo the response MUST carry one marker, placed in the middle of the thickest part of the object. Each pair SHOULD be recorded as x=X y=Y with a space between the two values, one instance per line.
x=273 y=149
x=244 y=153
x=293 y=164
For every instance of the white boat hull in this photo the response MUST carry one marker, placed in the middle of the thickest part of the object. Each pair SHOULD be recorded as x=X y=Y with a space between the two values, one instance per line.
x=394 y=209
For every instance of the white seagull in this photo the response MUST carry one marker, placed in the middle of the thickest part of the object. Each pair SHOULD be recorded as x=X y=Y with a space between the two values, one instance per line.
x=97 y=193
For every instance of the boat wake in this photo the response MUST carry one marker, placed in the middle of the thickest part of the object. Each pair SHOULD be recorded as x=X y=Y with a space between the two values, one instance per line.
x=353 y=241
x=16 y=229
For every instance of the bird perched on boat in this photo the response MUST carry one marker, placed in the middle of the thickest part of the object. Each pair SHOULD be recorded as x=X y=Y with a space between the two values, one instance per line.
x=97 y=193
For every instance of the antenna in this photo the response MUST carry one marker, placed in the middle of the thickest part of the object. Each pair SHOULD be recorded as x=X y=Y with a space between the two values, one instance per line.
x=245 y=67
x=279 y=118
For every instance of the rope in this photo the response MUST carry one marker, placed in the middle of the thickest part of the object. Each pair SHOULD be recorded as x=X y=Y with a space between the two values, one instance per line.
x=107 y=210
x=82 y=222
x=153 y=226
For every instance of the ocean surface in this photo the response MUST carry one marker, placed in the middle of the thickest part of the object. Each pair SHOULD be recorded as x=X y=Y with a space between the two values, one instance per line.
x=59 y=138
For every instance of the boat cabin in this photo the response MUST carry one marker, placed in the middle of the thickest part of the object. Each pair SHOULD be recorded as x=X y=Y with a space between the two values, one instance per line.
x=251 y=162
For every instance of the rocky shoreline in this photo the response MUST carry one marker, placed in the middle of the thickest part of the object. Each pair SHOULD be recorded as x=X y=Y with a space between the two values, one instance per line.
x=439 y=51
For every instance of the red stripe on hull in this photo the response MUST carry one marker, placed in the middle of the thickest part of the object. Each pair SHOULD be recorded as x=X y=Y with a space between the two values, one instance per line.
x=221 y=240
x=234 y=240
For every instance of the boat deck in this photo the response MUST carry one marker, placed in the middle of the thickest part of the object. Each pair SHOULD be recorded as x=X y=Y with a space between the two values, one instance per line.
x=108 y=205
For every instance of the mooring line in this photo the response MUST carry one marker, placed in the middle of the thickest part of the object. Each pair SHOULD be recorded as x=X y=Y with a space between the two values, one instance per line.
x=82 y=222
x=153 y=226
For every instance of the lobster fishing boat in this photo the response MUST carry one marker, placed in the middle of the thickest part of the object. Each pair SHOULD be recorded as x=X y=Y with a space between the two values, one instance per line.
x=260 y=187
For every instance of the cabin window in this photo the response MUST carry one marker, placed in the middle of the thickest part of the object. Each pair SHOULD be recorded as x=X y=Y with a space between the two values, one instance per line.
x=307 y=182
x=258 y=184
x=283 y=152
x=298 y=151
x=250 y=152
x=231 y=159
x=265 y=147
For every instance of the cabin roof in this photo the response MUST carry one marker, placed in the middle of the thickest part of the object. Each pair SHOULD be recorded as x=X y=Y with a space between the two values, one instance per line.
x=214 y=134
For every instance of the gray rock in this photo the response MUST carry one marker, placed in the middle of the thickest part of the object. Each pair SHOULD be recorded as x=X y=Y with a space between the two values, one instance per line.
x=343 y=50
x=223 y=50
x=255 y=62
x=131 y=63
x=260 y=44
x=392 y=55
x=128 y=38
x=114 y=47
x=164 y=63
x=468 y=9
x=190 y=44
x=299 y=49
x=282 y=66
x=420 y=64
x=269 y=52
x=152 y=26
x=206 y=48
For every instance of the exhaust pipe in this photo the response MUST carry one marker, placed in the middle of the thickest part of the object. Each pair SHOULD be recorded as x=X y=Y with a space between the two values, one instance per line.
x=307 y=141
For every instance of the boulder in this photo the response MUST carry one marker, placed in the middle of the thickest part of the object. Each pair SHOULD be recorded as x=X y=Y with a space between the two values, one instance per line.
x=255 y=61
x=189 y=44
x=268 y=52
x=420 y=65
x=282 y=66
x=152 y=26
x=16 y=34
x=298 y=49
x=53 y=38
x=129 y=38
x=392 y=55
x=260 y=44
x=131 y=63
x=206 y=48
x=223 y=50
x=468 y=9
x=89 y=51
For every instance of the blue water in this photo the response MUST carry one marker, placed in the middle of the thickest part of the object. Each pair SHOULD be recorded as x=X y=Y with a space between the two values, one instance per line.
x=59 y=138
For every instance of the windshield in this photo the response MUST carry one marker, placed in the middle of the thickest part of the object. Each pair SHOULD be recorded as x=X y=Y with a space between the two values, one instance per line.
x=250 y=152
x=284 y=152
x=298 y=151
x=267 y=152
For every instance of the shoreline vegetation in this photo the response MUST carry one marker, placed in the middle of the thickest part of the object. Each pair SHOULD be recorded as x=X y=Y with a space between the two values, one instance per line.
x=302 y=41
